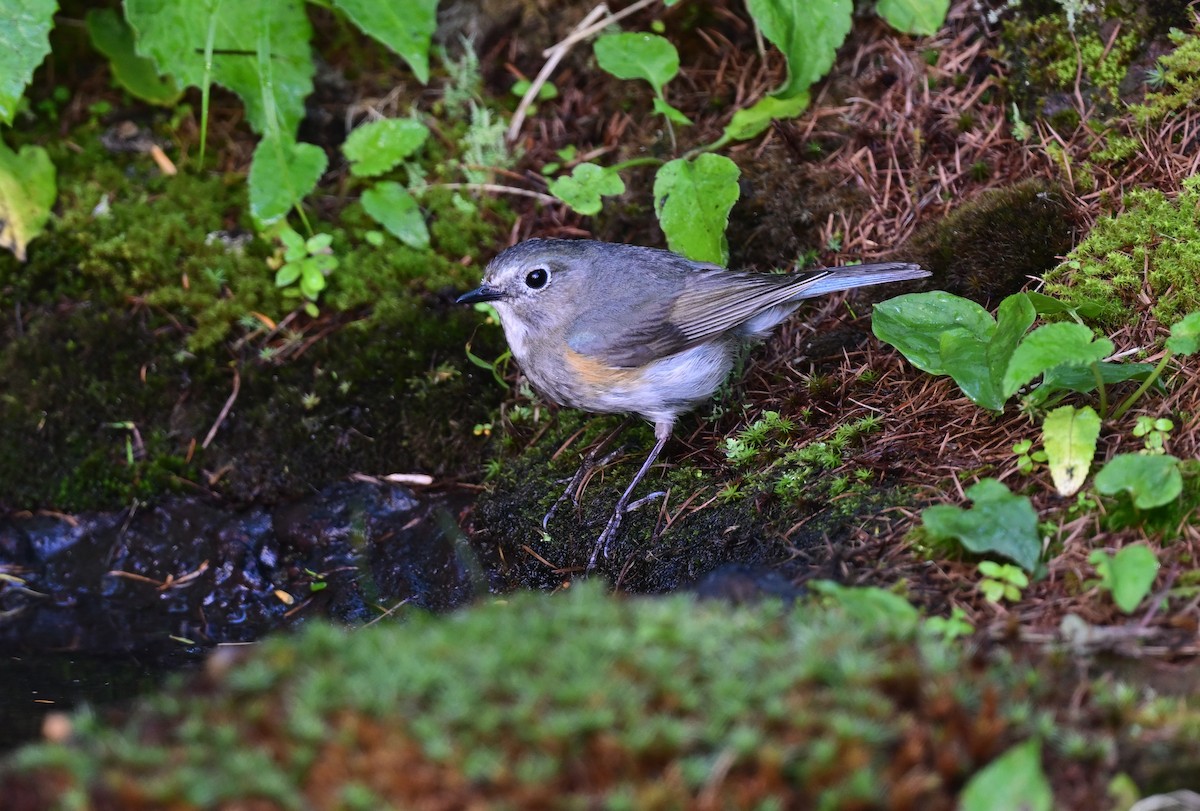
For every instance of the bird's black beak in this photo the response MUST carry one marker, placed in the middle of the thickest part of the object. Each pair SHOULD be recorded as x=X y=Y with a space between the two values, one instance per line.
x=481 y=293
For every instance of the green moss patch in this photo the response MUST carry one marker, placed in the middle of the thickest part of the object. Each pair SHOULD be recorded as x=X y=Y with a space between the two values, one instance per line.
x=1153 y=247
x=584 y=700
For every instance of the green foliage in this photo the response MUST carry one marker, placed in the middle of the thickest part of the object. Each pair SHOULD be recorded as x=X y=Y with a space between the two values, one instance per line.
x=745 y=447
x=306 y=264
x=1185 y=335
x=113 y=37
x=1026 y=456
x=282 y=173
x=24 y=43
x=1153 y=432
x=1001 y=581
x=379 y=146
x=642 y=56
x=1048 y=347
x=808 y=34
x=1013 y=780
x=200 y=43
x=1128 y=575
x=1000 y=523
x=1152 y=480
x=923 y=17
x=1069 y=436
x=390 y=205
x=587 y=183
x=692 y=199
x=27 y=191
x=1154 y=241
x=405 y=27
x=750 y=121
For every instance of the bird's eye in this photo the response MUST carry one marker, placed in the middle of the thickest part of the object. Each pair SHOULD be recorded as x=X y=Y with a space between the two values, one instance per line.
x=536 y=279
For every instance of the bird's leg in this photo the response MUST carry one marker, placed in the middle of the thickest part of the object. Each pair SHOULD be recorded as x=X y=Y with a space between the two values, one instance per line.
x=663 y=432
x=587 y=466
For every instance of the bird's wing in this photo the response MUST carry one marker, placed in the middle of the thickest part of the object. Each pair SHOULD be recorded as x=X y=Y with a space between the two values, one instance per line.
x=631 y=332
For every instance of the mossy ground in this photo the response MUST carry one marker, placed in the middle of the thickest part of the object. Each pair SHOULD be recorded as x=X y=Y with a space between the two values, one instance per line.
x=135 y=310
x=843 y=702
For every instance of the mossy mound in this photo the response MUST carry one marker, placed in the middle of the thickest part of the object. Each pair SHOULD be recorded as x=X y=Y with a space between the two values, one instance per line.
x=1150 y=252
x=584 y=700
x=149 y=303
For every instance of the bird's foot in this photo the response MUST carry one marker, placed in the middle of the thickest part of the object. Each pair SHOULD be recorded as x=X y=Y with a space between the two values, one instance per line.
x=614 y=523
x=573 y=487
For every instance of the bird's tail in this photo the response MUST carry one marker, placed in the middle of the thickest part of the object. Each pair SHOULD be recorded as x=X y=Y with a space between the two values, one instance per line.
x=832 y=280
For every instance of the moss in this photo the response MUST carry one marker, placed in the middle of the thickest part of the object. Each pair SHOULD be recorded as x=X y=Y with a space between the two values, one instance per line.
x=991 y=245
x=1049 y=64
x=1175 y=80
x=536 y=701
x=1152 y=247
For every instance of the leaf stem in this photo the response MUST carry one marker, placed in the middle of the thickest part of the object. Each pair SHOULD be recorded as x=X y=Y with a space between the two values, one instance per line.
x=1100 y=387
x=629 y=164
x=1146 y=384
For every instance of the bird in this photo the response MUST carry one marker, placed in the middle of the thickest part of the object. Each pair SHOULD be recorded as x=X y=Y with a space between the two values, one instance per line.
x=607 y=327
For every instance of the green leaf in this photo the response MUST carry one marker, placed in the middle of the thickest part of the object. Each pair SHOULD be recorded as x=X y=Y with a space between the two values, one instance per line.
x=584 y=187
x=670 y=112
x=692 y=199
x=24 y=42
x=914 y=323
x=871 y=606
x=113 y=37
x=1151 y=479
x=390 y=205
x=379 y=146
x=1129 y=575
x=1049 y=346
x=406 y=28
x=174 y=32
x=751 y=121
x=287 y=274
x=1014 y=317
x=1015 y=780
x=1185 y=335
x=1082 y=379
x=921 y=17
x=638 y=56
x=1069 y=436
x=27 y=191
x=1000 y=523
x=965 y=358
x=807 y=33
x=282 y=173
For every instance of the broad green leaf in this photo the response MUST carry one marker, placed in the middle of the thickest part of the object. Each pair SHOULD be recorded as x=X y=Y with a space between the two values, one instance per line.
x=751 y=121
x=405 y=27
x=1014 y=317
x=922 y=17
x=638 y=56
x=1069 y=436
x=807 y=33
x=1082 y=379
x=1152 y=480
x=670 y=112
x=390 y=205
x=692 y=199
x=1015 y=780
x=113 y=37
x=1185 y=335
x=174 y=34
x=282 y=173
x=999 y=523
x=1049 y=346
x=27 y=191
x=24 y=42
x=379 y=146
x=914 y=323
x=964 y=357
x=583 y=188
x=1129 y=574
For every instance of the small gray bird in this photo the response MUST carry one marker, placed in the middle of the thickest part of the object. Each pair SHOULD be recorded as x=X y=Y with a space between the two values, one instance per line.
x=613 y=328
